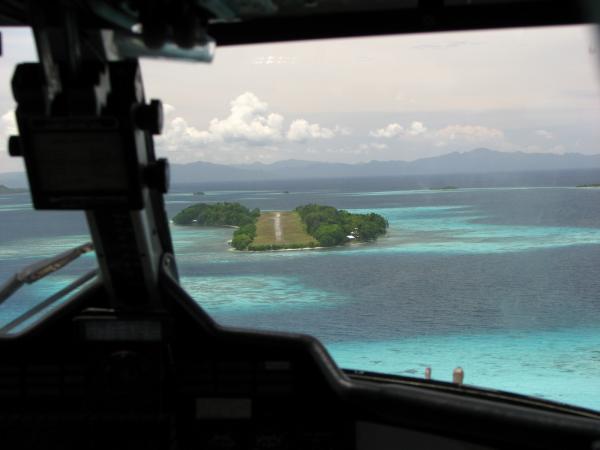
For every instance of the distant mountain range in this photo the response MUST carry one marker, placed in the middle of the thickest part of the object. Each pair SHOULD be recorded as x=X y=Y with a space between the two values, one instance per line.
x=7 y=190
x=478 y=161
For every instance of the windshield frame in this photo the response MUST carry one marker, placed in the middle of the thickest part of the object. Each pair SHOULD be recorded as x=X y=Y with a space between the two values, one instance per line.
x=38 y=317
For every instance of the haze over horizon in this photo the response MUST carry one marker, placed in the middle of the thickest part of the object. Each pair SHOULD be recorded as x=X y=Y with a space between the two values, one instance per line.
x=455 y=152
x=395 y=98
x=481 y=166
x=559 y=161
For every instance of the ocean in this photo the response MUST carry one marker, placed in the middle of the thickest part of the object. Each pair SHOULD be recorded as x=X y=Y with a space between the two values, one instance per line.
x=502 y=282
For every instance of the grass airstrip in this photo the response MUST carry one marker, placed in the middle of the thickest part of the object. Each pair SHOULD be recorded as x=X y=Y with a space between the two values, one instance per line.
x=283 y=228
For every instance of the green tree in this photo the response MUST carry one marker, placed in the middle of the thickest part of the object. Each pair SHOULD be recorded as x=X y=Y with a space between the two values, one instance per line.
x=241 y=241
x=331 y=226
x=330 y=235
x=216 y=214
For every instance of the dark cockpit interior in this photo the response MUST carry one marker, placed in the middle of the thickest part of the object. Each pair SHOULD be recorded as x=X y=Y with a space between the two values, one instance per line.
x=131 y=360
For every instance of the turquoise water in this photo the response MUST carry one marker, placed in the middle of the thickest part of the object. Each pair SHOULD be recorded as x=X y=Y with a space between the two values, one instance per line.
x=561 y=365
x=41 y=247
x=459 y=229
x=504 y=328
x=502 y=282
x=253 y=295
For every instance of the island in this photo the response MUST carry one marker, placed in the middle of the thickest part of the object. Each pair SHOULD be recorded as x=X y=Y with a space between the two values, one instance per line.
x=308 y=226
x=594 y=185
x=443 y=188
x=199 y=193
x=331 y=226
x=6 y=190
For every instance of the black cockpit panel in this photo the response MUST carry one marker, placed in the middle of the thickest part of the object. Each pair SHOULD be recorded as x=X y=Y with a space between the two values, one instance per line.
x=90 y=378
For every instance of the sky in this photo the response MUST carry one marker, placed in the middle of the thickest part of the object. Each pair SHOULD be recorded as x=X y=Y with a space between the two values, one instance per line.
x=355 y=100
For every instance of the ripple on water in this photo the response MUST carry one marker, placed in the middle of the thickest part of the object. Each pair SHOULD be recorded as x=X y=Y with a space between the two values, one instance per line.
x=442 y=191
x=254 y=294
x=15 y=207
x=42 y=247
x=459 y=229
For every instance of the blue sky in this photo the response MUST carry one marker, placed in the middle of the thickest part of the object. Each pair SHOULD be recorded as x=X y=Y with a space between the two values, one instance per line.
x=400 y=97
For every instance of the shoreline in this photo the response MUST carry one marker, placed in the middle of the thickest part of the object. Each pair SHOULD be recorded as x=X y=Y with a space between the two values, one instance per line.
x=280 y=249
x=348 y=244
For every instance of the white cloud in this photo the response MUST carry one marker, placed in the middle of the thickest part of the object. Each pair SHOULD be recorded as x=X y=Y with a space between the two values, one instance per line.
x=342 y=131
x=250 y=130
x=469 y=133
x=168 y=109
x=271 y=59
x=300 y=130
x=8 y=124
x=179 y=137
x=545 y=134
x=395 y=129
x=389 y=131
x=458 y=134
x=8 y=127
x=416 y=128
x=373 y=145
x=378 y=146
x=249 y=120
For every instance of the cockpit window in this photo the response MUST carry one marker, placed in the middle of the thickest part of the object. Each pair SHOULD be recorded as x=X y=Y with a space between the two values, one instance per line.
x=419 y=203
x=479 y=149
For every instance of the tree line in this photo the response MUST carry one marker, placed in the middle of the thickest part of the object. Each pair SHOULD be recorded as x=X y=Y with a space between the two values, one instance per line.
x=221 y=214
x=331 y=226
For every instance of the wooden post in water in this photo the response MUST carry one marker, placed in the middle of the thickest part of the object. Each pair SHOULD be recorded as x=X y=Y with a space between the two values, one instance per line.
x=428 y=373
x=458 y=375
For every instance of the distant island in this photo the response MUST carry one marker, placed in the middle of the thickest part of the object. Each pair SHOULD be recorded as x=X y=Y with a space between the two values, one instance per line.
x=199 y=193
x=595 y=185
x=308 y=226
x=443 y=188
x=6 y=190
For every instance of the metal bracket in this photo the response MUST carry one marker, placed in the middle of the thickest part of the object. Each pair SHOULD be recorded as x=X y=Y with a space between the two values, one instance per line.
x=86 y=137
